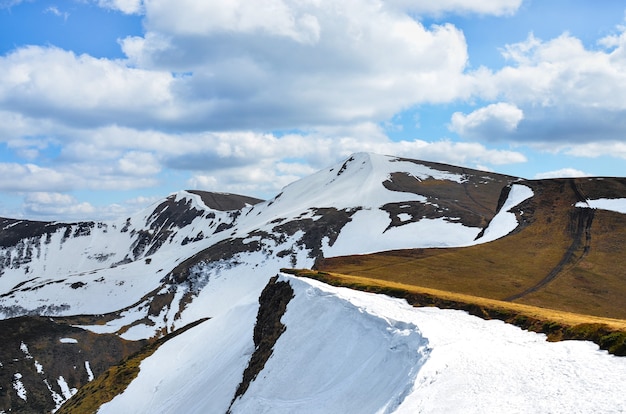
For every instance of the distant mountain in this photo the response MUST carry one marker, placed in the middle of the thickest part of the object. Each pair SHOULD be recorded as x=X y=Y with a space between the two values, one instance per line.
x=77 y=298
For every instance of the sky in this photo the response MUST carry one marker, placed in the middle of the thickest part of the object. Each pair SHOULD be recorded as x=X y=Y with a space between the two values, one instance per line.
x=107 y=106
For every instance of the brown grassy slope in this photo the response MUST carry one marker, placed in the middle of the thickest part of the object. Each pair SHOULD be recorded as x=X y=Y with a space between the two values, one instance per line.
x=560 y=257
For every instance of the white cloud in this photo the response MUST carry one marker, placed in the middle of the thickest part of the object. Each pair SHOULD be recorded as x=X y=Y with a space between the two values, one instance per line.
x=31 y=177
x=45 y=204
x=136 y=163
x=562 y=72
x=568 y=93
x=125 y=6
x=311 y=63
x=55 y=10
x=47 y=82
x=562 y=173
x=483 y=7
x=488 y=123
x=224 y=65
x=200 y=18
x=596 y=149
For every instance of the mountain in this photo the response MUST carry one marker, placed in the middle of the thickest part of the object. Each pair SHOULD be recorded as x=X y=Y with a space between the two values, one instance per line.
x=564 y=254
x=179 y=308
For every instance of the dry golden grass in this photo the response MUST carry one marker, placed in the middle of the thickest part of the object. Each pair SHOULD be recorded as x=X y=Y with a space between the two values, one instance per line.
x=368 y=284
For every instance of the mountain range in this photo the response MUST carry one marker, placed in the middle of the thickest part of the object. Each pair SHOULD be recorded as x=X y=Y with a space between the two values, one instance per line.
x=189 y=306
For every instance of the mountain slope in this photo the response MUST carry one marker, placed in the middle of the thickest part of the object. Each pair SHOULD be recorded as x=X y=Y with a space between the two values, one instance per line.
x=185 y=259
x=348 y=351
x=563 y=255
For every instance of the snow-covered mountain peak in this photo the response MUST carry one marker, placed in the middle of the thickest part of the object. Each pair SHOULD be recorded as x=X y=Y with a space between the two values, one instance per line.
x=359 y=182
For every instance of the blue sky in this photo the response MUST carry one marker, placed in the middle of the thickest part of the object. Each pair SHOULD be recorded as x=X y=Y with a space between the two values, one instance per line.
x=109 y=105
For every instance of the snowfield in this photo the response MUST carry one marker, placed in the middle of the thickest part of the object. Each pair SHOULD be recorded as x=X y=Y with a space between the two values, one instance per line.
x=346 y=351
x=612 y=204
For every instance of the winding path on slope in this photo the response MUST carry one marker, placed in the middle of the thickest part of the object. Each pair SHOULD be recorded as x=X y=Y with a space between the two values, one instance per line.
x=581 y=220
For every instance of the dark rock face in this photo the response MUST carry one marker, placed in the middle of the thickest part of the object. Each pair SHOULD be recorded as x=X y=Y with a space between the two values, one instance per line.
x=225 y=202
x=272 y=306
x=471 y=202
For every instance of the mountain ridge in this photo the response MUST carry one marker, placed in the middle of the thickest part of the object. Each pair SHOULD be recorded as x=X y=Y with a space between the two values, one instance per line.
x=188 y=258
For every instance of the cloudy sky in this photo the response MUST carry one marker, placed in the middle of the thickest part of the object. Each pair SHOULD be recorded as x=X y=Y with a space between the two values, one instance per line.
x=109 y=105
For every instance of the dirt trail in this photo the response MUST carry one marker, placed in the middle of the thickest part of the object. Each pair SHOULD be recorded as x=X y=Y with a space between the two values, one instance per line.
x=579 y=226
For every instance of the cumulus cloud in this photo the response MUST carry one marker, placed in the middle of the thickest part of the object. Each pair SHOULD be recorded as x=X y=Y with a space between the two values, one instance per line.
x=48 y=82
x=278 y=18
x=309 y=63
x=568 y=93
x=488 y=123
x=562 y=173
x=45 y=204
x=482 y=7
x=229 y=65
x=596 y=149
x=31 y=177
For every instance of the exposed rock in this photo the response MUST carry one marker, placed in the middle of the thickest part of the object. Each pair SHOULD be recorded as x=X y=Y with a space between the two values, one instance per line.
x=272 y=306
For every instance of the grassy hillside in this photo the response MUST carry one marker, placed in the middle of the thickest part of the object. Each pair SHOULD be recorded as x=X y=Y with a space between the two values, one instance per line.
x=561 y=257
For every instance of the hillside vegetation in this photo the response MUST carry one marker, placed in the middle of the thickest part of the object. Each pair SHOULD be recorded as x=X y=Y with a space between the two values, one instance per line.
x=560 y=257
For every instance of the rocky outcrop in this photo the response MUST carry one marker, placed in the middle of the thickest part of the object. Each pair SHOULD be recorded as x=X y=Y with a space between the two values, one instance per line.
x=272 y=306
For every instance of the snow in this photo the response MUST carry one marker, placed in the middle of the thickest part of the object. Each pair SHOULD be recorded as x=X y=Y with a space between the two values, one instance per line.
x=18 y=386
x=24 y=349
x=505 y=221
x=38 y=367
x=215 y=366
x=65 y=389
x=478 y=366
x=68 y=341
x=366 y=234
x=94 y=281
x=90 y=376
x=341 y=351
x=612 y=204
x=404 y=217
x=58 y=399
x=354 y=352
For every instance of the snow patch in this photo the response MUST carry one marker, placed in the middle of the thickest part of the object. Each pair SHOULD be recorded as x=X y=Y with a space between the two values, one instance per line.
x=612 y=204
x=90 y=376
x=68 y=341
x=18 y=386
x=368 y=232
x=65 y=389
x=504 y=221
x=24 y=349
x=404 y=217
x=38 y=367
